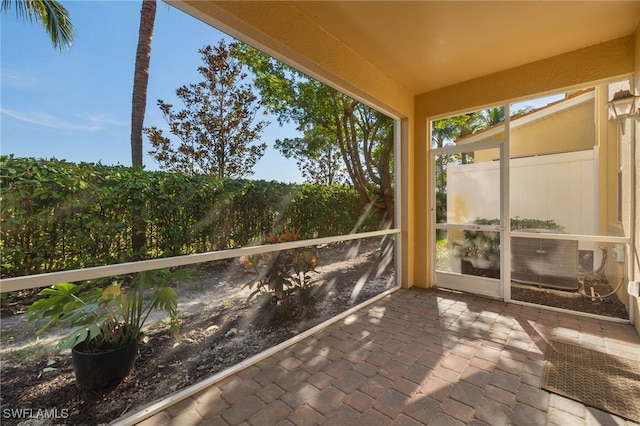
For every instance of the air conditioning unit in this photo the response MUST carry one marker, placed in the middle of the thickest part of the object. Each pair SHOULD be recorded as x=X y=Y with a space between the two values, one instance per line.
x=545 y=262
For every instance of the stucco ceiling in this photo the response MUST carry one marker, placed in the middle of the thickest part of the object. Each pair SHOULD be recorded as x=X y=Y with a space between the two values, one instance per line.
x=425 y=45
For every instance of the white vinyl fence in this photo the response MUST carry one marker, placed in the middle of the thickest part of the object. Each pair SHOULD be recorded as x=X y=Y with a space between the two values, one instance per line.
x=556 y=186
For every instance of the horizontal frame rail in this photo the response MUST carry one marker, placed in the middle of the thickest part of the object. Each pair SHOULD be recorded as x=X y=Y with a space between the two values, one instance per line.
x=474 y=146
x=572 y=237
x=536 y=235
x=43 y=280
x=473 y=227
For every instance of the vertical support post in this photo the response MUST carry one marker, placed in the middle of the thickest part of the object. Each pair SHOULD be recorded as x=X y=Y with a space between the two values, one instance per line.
x=633 y=217
x=505 y=213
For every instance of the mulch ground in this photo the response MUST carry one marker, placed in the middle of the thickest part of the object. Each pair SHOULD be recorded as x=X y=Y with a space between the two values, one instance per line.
x=213 y=339
x=575 y=301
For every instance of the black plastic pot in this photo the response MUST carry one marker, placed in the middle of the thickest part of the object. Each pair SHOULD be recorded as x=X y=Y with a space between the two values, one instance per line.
x=102 y=370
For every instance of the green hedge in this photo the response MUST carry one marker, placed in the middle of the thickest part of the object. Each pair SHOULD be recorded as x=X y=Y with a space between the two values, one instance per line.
x=58 y=215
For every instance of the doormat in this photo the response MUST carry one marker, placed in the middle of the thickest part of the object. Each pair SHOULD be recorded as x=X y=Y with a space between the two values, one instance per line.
x=607 y=382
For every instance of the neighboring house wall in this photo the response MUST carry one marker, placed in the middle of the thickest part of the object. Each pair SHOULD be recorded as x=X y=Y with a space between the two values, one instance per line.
x=571 y=130
x=565 y=126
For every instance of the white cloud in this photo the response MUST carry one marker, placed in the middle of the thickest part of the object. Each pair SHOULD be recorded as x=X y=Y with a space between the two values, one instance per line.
x=101 y=118
x=87 y=122
x=47 y=120
x=16 y=79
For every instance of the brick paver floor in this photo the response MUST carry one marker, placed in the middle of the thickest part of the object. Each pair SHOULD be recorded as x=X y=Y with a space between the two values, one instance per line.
x=414 y=357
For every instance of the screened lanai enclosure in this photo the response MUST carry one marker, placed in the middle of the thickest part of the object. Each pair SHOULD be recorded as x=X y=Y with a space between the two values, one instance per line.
x=530 y=199
x=505 y=178
x=236 y=267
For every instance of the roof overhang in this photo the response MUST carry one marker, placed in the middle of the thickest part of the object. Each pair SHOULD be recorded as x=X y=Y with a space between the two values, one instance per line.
x=420 y=45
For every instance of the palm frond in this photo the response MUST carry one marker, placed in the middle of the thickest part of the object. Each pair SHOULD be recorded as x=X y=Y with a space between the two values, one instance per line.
x=53 y=16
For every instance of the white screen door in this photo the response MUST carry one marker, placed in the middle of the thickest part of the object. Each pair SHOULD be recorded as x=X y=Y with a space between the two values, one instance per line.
x=469 y=183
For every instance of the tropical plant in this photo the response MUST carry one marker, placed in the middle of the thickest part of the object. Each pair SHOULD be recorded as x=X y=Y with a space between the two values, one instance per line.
x=109 y=318
x=53 y=16
x=217 y=127
x=283 y=275
x=518 y=223
x=443 y=133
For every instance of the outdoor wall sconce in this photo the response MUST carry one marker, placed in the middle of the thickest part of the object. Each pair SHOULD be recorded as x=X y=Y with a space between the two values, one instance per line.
x=623 y=105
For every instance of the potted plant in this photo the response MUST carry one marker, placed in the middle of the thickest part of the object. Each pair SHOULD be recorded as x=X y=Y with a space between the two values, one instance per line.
x=107 y=321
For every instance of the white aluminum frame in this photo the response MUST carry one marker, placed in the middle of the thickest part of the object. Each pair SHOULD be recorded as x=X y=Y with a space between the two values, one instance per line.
x=480 y=285
x=43 y=280
x=468 y=282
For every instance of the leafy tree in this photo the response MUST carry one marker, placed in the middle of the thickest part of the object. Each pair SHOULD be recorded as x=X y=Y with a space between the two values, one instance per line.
x=53 y=16
x=318 y=159
x=443 y=133
x=216 y=128
x=363 y=136
x=489 y=118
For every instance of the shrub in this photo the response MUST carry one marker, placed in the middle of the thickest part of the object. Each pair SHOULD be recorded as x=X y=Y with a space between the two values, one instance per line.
x=58 y=215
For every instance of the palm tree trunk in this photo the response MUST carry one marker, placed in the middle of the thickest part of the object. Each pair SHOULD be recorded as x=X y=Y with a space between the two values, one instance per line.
x=138 y=107
x=141 y=79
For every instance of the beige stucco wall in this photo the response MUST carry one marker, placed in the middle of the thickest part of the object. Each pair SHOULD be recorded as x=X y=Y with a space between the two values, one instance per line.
x=572 y=70
x=611 y=143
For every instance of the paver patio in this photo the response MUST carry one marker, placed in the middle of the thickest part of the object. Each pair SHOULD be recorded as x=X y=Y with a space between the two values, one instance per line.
x=414 y=357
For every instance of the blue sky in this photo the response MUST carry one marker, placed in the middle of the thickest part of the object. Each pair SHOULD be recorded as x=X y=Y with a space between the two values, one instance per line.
x=76 y=105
